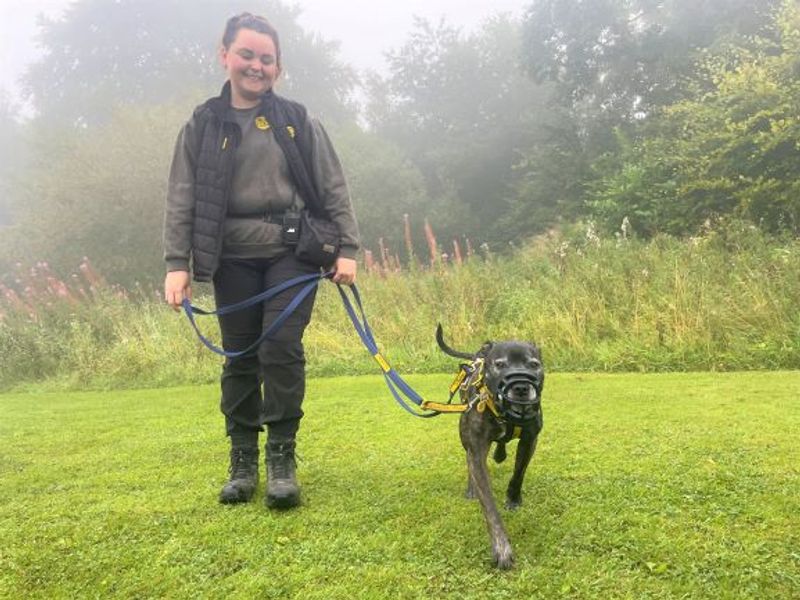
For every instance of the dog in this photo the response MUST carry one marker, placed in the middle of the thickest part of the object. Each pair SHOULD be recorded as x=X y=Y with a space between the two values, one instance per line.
x=502 y=388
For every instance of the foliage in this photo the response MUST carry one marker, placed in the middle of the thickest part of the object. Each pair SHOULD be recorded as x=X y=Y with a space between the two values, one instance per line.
x=724 y=301
x=733 y=150
x=627 y=57
x=461 y=109
x=11 y=153
x=384 y=186
x=643 y=486
x=613 y=64
x=98 y=192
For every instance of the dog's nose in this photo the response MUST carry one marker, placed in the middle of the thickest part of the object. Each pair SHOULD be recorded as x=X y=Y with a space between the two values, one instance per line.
x=521 y=389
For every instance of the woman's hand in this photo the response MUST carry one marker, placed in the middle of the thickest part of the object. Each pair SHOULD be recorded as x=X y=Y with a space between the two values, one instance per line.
x=177 y=286
x=344 y=271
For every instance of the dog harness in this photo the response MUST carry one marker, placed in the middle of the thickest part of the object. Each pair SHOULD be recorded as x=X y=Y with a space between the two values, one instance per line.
x=471 y=386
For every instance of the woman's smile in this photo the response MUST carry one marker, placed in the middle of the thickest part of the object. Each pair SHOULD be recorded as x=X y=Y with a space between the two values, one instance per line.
x=252 y=67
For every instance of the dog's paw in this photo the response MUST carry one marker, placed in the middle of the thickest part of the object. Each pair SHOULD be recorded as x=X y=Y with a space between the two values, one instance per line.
x=503 y=557
x=513 y=503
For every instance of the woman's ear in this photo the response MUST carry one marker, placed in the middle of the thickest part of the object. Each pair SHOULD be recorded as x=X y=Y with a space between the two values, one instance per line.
x=222 y=54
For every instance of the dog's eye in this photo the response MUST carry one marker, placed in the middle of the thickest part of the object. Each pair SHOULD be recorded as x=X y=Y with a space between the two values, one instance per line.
x=534 y=362
x=500 y=363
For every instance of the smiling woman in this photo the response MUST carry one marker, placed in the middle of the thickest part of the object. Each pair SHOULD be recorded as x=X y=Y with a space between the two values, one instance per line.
x=245 y=166
x=252 y=61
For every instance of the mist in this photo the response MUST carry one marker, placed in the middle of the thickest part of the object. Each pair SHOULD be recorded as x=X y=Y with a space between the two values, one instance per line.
x=488 y=126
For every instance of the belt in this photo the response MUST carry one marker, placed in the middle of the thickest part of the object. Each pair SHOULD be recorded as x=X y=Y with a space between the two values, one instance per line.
x=266 y=217
x=273 y=217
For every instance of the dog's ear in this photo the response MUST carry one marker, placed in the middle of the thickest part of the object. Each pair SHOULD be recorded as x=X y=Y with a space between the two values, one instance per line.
x=485 y=349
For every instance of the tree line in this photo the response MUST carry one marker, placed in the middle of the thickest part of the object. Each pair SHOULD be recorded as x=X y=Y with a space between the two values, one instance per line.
x=670 y=113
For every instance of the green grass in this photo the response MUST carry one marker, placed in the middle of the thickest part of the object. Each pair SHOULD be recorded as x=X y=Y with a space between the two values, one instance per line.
x=643 y=486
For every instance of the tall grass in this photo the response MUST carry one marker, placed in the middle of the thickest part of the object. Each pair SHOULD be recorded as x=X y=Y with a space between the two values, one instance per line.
x=727 y=300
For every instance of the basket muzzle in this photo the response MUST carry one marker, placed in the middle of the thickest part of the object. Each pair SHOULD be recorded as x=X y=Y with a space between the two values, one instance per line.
x=518 y=397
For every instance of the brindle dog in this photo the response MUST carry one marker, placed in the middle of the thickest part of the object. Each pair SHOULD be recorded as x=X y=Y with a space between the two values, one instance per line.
x=513 y=375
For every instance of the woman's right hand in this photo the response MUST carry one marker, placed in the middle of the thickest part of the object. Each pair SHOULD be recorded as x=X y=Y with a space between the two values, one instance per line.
x=177 y=286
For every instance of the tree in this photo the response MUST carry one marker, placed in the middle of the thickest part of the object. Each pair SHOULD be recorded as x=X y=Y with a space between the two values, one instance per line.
x=101 y=54
x=627 y=57
x=731 y=151
x=461 y=109
x=10 y=152
x=613 y=65
x=384 y=186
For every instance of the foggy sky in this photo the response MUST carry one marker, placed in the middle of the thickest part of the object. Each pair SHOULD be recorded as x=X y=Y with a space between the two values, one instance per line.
x=365 y=28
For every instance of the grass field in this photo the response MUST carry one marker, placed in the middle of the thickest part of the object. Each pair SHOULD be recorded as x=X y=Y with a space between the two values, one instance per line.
x=643 y=486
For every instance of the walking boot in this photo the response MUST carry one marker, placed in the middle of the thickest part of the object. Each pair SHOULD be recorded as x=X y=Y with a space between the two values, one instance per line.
x=243 y=476
x=282 y=488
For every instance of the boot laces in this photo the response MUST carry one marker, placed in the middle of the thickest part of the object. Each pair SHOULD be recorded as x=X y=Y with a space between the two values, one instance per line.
x=241 y=459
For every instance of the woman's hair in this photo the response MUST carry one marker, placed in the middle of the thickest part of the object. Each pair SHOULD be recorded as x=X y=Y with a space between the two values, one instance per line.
x=248 y=20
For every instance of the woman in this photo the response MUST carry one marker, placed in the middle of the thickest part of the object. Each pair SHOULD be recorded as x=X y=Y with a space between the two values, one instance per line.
x=232 y=201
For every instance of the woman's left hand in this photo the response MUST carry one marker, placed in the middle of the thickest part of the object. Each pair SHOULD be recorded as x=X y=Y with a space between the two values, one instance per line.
x=344 y=271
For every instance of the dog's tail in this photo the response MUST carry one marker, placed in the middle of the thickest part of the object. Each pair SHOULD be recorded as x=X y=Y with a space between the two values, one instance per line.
x=447 y=349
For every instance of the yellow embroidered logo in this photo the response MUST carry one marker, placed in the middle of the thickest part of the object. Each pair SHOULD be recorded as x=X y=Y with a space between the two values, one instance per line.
x=262 y=123
x=290 y=129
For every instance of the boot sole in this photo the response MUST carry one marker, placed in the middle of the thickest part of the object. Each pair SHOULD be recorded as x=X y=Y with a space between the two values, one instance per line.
x=235 y=500
x=282 y=501
x=240 y=497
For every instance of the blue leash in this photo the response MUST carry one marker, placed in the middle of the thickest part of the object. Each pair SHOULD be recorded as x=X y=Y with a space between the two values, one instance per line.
x=396 y=384
x=311 y=281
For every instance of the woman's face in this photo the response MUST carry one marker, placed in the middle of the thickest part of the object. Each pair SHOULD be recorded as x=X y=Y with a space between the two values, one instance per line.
x=252 y=66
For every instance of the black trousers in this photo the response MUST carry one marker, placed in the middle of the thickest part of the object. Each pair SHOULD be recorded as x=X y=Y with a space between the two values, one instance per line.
x=278 y=363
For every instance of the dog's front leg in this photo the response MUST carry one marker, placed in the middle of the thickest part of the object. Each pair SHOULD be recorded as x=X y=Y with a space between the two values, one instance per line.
x=470 y=494
x=525 y=450
x=479 y=475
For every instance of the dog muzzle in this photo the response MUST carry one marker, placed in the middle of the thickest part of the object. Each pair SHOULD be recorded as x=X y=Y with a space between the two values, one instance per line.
x=518 y=398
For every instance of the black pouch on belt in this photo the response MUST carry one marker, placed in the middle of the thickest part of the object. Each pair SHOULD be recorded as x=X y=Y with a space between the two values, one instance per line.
x=319 y=240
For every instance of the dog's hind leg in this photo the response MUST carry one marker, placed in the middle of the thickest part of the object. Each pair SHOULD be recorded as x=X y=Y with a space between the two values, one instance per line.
x=525 y=450
x=479 y=474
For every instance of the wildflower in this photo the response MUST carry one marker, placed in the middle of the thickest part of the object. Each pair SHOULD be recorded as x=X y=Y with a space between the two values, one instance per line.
x=431 y=239
x=625 y=228
x=457 y=252
x=591 y=234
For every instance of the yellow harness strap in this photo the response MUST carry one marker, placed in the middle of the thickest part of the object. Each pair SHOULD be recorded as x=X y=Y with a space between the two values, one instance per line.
x=445 y=408
x=449 y=408
x=487 y=401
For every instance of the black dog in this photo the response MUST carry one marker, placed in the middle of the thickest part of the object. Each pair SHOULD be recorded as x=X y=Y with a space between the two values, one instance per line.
x=502 y=388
